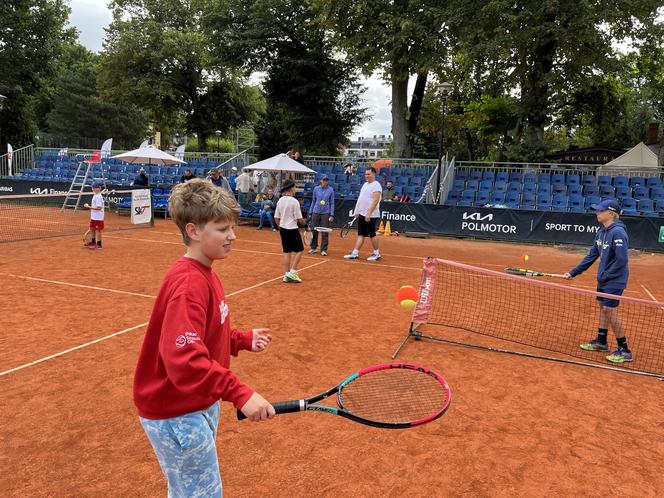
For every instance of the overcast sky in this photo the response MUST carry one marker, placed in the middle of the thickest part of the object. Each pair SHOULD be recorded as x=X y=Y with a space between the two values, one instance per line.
x=90 y=17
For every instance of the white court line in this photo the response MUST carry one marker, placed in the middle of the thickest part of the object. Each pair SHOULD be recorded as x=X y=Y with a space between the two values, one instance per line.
x=651 y=295
x=95 y=341
x=78 y=285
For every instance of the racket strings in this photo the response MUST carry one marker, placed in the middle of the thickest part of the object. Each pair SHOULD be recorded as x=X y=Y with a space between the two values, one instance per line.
x=394 y=395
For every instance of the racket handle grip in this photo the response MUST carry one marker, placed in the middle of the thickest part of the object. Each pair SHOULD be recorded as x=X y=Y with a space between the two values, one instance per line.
x=280 y=407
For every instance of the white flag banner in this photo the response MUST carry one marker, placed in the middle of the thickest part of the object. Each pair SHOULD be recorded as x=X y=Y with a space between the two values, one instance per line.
x=62 y=153
x=144 y=144
x=179 y=152
x=106 y=148
x=10 y=158
x=141 y=207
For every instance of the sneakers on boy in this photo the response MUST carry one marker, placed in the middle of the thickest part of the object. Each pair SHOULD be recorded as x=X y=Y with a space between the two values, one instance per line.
x=293 y=277
x=374 y=257
x=620 y=355
x=352 y=255
x=595 y=345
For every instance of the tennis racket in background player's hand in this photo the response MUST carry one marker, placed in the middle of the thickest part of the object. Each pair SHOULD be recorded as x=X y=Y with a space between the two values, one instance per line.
x=389 y=396
x=345 y=230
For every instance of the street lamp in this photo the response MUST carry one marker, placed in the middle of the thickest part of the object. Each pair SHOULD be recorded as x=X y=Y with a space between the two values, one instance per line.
x=218 y=133
x=444 y=89
x=177 y=138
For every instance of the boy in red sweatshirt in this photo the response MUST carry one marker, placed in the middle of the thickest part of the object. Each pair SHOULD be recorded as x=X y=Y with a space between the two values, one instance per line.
x=183 y=367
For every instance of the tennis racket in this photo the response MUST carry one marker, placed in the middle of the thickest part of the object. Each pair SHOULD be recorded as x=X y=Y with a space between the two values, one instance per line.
x=531 y=273
x=87 y=237
x=308 y=236
x=389 y=396
x=345 y=230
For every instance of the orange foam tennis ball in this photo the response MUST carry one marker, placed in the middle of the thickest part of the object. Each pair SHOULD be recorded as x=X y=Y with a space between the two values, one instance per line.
x=407 y=293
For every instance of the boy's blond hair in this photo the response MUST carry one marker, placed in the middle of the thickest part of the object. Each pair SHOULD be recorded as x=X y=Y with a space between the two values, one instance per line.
x=199 y=201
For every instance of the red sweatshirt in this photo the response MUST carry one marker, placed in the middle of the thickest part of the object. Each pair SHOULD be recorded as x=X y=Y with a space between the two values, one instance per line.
x=184 y=362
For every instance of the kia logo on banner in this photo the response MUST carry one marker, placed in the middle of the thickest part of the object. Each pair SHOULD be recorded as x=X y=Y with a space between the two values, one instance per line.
x=477 y=217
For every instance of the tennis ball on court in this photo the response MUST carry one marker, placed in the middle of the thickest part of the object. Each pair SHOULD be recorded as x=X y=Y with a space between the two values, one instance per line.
x=525 y=257
x=407 y=293
x=322 y=203
x=408 y=304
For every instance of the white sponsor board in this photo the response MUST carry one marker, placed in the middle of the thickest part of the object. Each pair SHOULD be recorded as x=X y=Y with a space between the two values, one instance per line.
x=141 y=207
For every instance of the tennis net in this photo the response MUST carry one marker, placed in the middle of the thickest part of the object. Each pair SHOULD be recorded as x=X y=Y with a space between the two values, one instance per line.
x=37 y=216
x=536 y=313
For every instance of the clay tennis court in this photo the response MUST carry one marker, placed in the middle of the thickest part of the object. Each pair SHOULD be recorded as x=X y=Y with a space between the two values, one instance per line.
x=516 y=427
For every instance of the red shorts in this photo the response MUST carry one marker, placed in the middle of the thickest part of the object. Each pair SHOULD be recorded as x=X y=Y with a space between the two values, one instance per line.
x=96 y=225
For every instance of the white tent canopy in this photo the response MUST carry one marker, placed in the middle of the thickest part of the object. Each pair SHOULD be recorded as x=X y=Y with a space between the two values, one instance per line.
x=279 y=163
x=637 y=157
x=148 y=155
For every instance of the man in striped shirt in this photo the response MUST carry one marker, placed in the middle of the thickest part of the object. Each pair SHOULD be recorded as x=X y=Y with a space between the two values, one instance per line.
x=321 y=214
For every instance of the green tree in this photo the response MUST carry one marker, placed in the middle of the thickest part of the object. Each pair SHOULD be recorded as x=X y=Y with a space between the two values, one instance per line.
x=312 y=94
x=158 y=57
x=32 y=33
x=400 y=38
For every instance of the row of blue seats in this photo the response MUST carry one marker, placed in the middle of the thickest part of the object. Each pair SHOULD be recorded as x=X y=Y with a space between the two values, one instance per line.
x=338 y=169
x=558 y=178
x=602 y=190
x=358 y=179
x=48 y=161
x=546 y=202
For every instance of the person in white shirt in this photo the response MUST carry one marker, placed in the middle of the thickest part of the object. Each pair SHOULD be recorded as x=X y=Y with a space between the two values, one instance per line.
x=96 y=208
x=243 y=184
x=367 y=213
x=288 y=216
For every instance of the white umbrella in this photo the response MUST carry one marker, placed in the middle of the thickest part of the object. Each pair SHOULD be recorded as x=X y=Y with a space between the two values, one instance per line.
x=148 y=155
x=280 y=162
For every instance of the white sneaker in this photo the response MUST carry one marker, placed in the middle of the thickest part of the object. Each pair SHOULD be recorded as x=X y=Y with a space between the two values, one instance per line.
x=373 y=257
x=323 y=253
x=351 y=256
x=312 y=251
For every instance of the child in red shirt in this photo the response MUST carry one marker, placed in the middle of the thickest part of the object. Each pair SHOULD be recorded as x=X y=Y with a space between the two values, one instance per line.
x=184 y=365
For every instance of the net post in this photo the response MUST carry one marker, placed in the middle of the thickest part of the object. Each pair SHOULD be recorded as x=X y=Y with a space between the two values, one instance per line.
x=410 y=333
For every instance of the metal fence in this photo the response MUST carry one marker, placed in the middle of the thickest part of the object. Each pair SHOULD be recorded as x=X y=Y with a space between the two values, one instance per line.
x=564 y=168
x=22 y=158
x=362 y=161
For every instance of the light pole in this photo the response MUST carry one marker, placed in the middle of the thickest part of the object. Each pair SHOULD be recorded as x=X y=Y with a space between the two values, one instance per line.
x=2 y=101
x=177 y=138
x=444 y=89
x=218 y=133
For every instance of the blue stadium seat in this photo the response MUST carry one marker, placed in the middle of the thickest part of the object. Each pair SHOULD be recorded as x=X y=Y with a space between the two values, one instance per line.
x=647 y=207
x=476 y=175
x=544 y=188
x=500 y=187
x=452 y=198
x=573 y=179
x=629 y=207
x=574 y=190
x=513 y=200
x=461 y=174
x=516 y=176
x=417 y=181
x=641 y=193
x=459 y=184
x=528 y=201
x=607 y=191
x=659 y=206
x=576 y=204
x=529 y=178
x=483 y=198
x=502 y=176
x=543 y=178
x=407 y=172
x=498 y=198
x=559 y=202
x=657 y=193
x=589 y=180
x=558 y=179
x=472 y=185
x=559 y=188
x=623 y=192
x=592 y=199
x=402 y=180
x=653 y=182
x=489 y=176
x=543 y=202
x=620 y=181
x=467 y=198
x=603 y=180
x=529 y=188
x=486 y=185
x=420 y=172
x=590 y=190
x=637 y=181
x=514 y=187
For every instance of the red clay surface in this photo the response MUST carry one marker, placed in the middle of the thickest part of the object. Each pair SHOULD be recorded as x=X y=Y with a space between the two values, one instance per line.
x=516 y=427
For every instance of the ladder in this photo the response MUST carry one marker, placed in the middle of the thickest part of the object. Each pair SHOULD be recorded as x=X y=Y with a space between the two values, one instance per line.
x=84 y=172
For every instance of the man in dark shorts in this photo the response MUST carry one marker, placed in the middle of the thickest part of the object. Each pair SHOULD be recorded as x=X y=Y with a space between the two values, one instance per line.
x=610 y=245
x=288 y=216
x=367 y=213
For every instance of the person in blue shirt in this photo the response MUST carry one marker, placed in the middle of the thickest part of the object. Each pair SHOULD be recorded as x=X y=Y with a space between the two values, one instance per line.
x=321 y=214
x=232 y=177
x=267 y=206
x=610 y=245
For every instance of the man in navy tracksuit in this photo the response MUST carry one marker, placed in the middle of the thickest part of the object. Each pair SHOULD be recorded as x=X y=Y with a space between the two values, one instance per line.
x=610 y=246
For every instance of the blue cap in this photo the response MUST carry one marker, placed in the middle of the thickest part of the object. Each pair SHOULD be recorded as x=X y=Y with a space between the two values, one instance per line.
x=607 y=205
x=324 y=177
x=96 y=185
